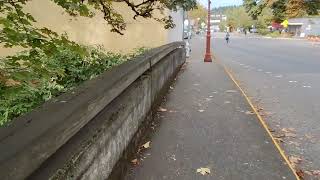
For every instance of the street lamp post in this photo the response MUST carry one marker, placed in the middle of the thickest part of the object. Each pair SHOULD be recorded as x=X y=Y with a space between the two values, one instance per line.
x=207 y=57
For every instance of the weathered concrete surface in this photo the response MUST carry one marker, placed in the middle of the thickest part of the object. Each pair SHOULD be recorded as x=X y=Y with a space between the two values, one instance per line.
x=110 y=132
x=206 y=125
x=82 y=134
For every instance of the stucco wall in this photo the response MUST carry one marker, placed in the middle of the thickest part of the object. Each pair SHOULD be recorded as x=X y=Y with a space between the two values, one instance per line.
x=93 y=31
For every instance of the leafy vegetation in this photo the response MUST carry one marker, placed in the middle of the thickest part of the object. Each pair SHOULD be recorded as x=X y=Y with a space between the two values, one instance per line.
x=32 y=77
x=262 y=13
x=237 y=17
x=282 y=9
x=51 y=64
x=199 y=14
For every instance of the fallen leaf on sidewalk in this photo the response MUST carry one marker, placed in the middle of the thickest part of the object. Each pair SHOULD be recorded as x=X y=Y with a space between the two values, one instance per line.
x=316 y=172
x=294 y=143
x=267 y=113
x=231 y=91
x=160 y=109
x=173 y=157
x=249 y=112
x=290 y=135
x=279 y=139
x=201 y=110
x=300 y=173
x=285 y=130
x=288 y=132
x=271 y=130
x=146 y=145
x=134 y=161
x=308 y=136
x=279 y=135
x=203 y=170
x=308 y=172
x=294 y=160
x=259 y=109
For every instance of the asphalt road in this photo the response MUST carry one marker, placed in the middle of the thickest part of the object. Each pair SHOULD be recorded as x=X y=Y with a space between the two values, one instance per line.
x=283 y=78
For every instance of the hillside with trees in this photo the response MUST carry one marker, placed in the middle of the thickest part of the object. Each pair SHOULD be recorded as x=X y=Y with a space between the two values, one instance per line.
x=262 y=13
x=282 y=9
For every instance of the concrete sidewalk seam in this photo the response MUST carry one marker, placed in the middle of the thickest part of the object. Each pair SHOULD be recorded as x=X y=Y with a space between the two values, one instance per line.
x=261 y=120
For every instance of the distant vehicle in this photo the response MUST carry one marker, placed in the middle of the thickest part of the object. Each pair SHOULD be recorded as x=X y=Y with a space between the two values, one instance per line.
x=253 y=30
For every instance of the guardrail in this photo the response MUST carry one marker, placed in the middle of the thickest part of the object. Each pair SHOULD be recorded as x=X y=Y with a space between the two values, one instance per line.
x=81 y=134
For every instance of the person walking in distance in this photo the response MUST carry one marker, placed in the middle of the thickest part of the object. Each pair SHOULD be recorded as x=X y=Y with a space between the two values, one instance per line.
x=227 y=37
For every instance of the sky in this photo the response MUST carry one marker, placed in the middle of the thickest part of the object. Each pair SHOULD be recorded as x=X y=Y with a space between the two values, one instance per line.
x=219 y=3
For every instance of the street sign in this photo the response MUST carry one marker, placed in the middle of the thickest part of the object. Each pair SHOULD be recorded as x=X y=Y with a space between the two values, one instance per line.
x=285 y=23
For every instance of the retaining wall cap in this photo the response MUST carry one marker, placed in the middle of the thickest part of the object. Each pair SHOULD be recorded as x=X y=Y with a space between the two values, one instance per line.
x=34 y=137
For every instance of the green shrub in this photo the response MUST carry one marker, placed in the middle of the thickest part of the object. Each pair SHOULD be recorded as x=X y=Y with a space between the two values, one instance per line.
x=263 y=31
x=32 y=77
x=275 y=34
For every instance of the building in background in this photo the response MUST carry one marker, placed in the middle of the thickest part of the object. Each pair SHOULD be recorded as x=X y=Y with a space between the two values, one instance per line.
x=215 y=21
x=302 y=27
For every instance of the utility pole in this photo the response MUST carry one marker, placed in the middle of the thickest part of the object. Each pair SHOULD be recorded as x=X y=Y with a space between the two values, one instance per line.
x=207 y=57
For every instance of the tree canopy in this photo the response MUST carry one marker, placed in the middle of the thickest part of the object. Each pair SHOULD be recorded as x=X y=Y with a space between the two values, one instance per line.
x=282 y=9
x=199 y=12
x=237 y=17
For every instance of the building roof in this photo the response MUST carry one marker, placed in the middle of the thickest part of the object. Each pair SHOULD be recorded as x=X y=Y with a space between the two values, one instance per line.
x=314 y=20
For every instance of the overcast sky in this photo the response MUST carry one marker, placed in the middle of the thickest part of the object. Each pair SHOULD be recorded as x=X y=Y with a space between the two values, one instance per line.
x=219 y=3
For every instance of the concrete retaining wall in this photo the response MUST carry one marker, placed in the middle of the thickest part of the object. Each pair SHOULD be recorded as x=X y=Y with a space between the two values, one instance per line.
x=82 y=134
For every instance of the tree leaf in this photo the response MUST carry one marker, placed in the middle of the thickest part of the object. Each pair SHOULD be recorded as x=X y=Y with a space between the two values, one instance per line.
x=160 y=109
x=146 y=145
x=203 y=170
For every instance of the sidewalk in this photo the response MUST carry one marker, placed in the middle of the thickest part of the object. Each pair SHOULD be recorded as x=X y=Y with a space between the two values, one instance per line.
x=206 y=122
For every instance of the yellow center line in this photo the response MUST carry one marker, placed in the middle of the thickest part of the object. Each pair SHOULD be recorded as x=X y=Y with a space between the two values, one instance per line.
x=262 y=121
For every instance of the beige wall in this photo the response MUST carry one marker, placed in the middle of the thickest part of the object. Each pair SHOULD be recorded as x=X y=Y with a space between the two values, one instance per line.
x=93 y=31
